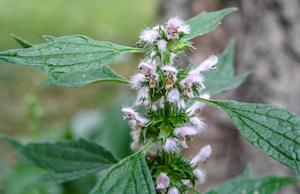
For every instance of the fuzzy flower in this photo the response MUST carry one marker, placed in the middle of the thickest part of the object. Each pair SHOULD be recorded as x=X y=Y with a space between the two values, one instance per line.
x=181 y=104
x=171 y=145
x=137 y=81
x=147 y=68
x=207 y=65
x=175 y=26
x=173 y=95
x=185 y=131
x=135 y=135
x=202 y=155
x=129 y=113
x=195 y=108
x=162 y=45
x=200 y=175
x=170 y=72
x=143 y=97
x=173 y=190
x=190 y=81
x=162 y=181
x=198 y=123
x=149 y=36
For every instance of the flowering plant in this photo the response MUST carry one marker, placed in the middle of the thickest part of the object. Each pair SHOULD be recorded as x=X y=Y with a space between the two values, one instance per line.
x=165 y=116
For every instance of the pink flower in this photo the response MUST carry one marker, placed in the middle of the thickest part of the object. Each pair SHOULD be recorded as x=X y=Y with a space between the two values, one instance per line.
x=200 y=175
x=185 y=131
x=173 y=190
x=129 y=113
x=171 y=145
x=195 y=108
x=149 y=36
x=175 y=26
x=162 y=181
x=173 y=95
x=169 y=71
x=202 y=155
x=207 y=65
x=162 y=45
x=198 y=123
x=147 y=68
x=143 y=97
x=137 y=81
x=193 y=79
x=141 y=121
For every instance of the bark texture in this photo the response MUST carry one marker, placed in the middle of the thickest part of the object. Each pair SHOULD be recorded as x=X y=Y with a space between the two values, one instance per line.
x=267 y=33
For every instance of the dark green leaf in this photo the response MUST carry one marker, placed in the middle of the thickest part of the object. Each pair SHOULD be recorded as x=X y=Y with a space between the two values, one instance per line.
x=130 y=175
x=207 y=22
x=66 y=160
x=22 y=42
x=245 y=184
x=274 y=131
x=82 y=78
x=222 y=78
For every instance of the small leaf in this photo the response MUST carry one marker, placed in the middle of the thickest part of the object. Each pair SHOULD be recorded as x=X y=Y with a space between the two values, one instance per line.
x=82 y=78
x=207 y=22
x=222 y=78
x=130 y=175
x=66 y=160
x=273 y=130
x=245 y=184
x=22 y=42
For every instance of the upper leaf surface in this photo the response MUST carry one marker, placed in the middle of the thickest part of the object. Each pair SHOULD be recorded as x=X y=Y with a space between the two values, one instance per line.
x=67 y=54
x=250 y=185
x=207 y=22
x=222 y=79
x=273 y=130
x=66 y=160
x=130 y=176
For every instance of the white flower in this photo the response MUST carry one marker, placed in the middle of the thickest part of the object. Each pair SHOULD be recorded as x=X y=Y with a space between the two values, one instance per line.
x=201 y=176
x=172 y=58
x=207 y=65
x=198 y=123
x=169 y=71
x=162 y=45
x=173 y=190
x=195 y=108
x=149 y=36
x=141 y=121
x=137 y=81
x=173 y=95
x=143 y=97
x=202 y=155
x=175 y=26
x=185 y=29
x=171 y=145
x=147 y=68
x=185 y=131
x=193 y=79
x=162 y=181
x=129 y=113
x=181 y=104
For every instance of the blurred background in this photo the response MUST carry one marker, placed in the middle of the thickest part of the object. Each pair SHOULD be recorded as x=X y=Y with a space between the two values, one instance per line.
x=267 y=35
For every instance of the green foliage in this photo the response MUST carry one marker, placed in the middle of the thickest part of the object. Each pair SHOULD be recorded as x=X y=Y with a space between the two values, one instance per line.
x=74 y=58
x=66 y=160
x=207 y=22
x=24 y=43
x=274 y=131
x=130 y=175
x=222 y=78
x=246 y=184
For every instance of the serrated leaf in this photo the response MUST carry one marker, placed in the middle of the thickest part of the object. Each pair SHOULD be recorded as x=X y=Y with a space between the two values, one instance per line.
x=66 y=160
x=24 y=43
x=130 y=175
x=222 y=79
x=245 y=184
x=273 y=130
x=81 y=78
x=207 y=22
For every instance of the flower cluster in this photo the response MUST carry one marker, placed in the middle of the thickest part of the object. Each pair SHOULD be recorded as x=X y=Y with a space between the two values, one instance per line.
x=164 y=111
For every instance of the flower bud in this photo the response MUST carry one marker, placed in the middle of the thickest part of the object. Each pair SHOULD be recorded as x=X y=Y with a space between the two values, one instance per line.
x=173 y=190
x=197 y=123
x=200 y=175
x=202 y=155
x=162 y=181
x=137 y=81
x=207 y=65
x=185 y=131
x=162 y=45
x=171 y=145
x=173 y=95
x=149 y=36
x=147 y=68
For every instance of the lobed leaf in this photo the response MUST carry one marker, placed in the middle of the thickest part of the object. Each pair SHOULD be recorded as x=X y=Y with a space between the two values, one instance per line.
x=207 y=22
x=250 y=185
x=130 y=175
x=273 y=130
x=66 y=160
x=222 y=78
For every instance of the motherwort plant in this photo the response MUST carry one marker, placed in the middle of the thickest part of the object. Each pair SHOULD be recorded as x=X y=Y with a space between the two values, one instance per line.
x=165 y=116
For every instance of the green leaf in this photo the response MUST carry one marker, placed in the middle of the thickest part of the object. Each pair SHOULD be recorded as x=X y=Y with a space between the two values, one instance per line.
x=22 y=42
x=207 y=22
x=245 y=184
x=82 y=78
x=66 y=160
x=274 y=131
x=130 y=175
x=70 y=60
x=222 y=78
